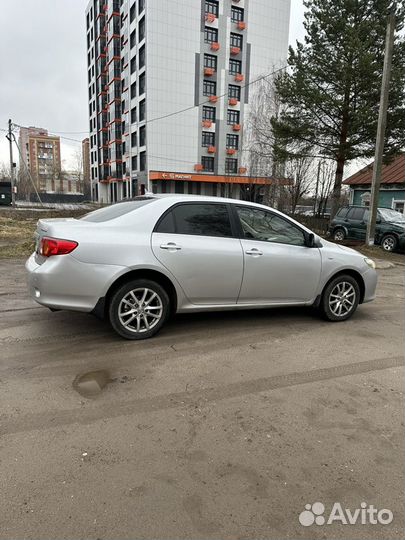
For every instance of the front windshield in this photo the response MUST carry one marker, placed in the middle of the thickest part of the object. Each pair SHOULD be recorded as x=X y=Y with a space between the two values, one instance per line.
x=391 y=215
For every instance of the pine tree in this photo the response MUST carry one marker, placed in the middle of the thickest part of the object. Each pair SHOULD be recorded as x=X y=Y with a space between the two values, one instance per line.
x=330 y=93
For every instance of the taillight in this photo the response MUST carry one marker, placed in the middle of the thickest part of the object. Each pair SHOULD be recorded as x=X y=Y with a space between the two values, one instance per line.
x=56 y=246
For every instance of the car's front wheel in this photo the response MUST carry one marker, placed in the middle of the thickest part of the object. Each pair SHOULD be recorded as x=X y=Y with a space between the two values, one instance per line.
x=138 y=309
x=389 y=242
x=340 y=298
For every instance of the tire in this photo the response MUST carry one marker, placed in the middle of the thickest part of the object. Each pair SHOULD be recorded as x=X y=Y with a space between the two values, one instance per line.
x=339 y=235
x=389 y=242
x=148 y=303
x=343 y=286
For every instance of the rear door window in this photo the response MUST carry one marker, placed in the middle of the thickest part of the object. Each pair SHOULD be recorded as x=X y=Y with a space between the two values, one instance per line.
x=197 y=219
x=356 y=213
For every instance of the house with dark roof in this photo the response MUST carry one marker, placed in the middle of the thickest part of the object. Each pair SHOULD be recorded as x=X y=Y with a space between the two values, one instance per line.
x=392 y=190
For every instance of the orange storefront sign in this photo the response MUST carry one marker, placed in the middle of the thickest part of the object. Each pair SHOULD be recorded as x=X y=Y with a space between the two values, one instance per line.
x=216 y=179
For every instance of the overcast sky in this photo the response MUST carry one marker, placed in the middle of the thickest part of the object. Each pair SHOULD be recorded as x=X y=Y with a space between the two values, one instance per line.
x=43 y=66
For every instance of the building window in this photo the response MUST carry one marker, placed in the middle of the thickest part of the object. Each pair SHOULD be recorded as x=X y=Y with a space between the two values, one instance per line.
x=142 y=56
x=211 y=6
x=210 y=61
x=237 y=14
x=142 y=161
x=142 y=136
x=208 y=113
x=141 y=29
x=142 y=110
x=141 y=6
x=234 y=91
x=133 y=64
x=133 y=115
x=232 y=117
x=210 y=35
x=132 y=12
x=132 y=39
x=235 y=66
x=142 y=82
x=208 y=139
x=231 y=165
x=133 y=90
x=207 y=163
x=236 y=40
x=209 y=88
x=134 y=141
x=134 y=163
x=232 y=141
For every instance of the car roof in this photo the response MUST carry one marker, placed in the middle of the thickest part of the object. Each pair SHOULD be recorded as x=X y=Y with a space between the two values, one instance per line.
x=178 y=197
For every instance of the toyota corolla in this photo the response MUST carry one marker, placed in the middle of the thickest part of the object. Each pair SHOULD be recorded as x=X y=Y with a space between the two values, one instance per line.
x=139 y=261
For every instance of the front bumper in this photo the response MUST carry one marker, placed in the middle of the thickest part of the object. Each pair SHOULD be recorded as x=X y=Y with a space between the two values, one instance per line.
x=63 y=282
x=370 y=278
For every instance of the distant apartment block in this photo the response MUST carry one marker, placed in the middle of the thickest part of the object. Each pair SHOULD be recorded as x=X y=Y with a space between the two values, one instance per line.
x=41 y=154
x=148 y=60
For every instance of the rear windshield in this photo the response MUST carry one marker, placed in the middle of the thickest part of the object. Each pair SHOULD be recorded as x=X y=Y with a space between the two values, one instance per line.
x=116 y=210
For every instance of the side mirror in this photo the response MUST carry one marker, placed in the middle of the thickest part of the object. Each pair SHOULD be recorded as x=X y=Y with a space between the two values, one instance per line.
x=310 y=240
x=378 y=220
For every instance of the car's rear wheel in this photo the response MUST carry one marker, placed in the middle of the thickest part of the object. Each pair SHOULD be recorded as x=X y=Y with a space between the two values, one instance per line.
x=389 y=242
x=138 y=309
x=339 y=235
x=340 y=298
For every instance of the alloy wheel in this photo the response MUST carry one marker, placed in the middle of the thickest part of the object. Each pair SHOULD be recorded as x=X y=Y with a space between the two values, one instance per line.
x=339 y=236
x=388 y=243
x=342 y=299
x=140 y=310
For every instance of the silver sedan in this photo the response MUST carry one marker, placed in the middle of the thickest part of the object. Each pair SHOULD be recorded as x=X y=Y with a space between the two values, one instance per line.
x=139 y=261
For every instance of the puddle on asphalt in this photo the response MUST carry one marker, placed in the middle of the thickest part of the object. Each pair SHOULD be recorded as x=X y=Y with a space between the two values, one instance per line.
x=92 y=383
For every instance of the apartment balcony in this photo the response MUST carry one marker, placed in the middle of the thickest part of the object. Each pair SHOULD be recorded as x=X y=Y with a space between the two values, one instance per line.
x=236 y=127
x=211 y=149
x=215 y=46
x=235 y=51
x=231 y=151
x=241 y=25
x=239 y=77
x=198 y=167
x=233 y=101
x=213 y=99
x=210 y=18
x=209 y=72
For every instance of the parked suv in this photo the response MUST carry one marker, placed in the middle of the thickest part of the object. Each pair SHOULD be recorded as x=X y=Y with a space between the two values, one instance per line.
x=351 y=222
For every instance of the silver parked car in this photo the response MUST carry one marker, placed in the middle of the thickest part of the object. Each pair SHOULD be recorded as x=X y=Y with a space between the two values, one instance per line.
x=137 y=262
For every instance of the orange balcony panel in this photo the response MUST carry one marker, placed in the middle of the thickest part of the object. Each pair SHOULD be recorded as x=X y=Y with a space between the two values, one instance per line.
x=241 y=25
x=212 y=149
x=242 y=170
x=235 y=51
x=207 y=123
x=209 y=72
x=210 y=17
x=233 y=101
x=213 y=99
x=215 y=46
x=236 y=127
x=239 y=77
x=198 y=167
x=231 y=151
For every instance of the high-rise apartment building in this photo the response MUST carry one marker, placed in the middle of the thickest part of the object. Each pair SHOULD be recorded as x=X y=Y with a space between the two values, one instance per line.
x=169 y=86
x=41 y=154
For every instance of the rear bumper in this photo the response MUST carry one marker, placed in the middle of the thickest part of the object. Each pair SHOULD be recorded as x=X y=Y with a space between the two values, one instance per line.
x=63 y=282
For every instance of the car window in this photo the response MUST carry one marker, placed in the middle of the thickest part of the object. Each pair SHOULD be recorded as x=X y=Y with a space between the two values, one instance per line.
x=197 y=219
x=356 y=213
x=342 y=213
x=115 y=210
x=261 y=225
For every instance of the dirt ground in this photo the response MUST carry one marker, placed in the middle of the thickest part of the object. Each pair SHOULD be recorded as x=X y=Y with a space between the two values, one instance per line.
x=223 y=426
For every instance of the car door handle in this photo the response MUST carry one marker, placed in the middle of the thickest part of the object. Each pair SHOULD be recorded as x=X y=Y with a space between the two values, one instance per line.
x=254 y=251
x=171 y=246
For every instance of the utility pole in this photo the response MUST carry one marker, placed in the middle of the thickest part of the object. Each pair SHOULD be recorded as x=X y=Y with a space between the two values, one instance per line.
x=382 y=123
x=12 y=164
